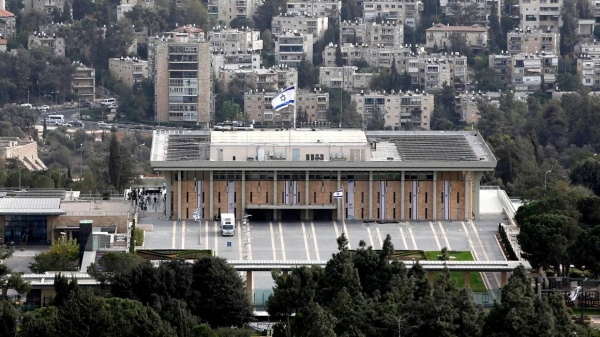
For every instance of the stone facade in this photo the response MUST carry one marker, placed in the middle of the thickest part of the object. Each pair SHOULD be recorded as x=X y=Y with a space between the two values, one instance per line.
x=526 y=72
x=292 y=47
x=542 y=15
x=45 y=6
x=260 y=79
x=387 y=34
x=55 y=44
x=235 y=61
x=398 y=11
x=25 y=151
x=439 y=35
x=235 y=40
x=483 y=11
x=589 y=50
x=588 y=69
x=258 y=108
x=329 y=8
x=128 y=70
x=333 y=77
x=307 y=24
x=398 y=110
x=8 y=24
x=223 y=11
x=533 y=41
x=127 y=5
x=83 y=83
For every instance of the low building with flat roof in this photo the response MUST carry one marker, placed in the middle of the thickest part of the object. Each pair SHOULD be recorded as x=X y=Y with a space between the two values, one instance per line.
x=291 y=175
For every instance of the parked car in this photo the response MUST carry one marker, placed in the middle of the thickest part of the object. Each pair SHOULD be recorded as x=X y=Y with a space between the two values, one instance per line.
x=43 y=108
x=70 y=105
x=85 y=104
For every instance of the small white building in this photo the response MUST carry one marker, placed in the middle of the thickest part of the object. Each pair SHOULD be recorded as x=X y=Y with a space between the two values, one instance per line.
x=291 y=47
x=235 y=40
x=303 y=24
x=439 y=35
x=128 y=70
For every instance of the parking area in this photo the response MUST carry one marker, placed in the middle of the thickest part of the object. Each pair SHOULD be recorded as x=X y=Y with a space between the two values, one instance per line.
x=306 y=240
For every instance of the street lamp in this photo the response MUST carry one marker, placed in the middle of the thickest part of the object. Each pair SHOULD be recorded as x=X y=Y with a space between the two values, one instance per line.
x=81 y=166
x=546 y=180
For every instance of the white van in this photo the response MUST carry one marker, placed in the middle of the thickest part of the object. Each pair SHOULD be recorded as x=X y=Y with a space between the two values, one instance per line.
x=27 y=105
x=228 y=224
x=108 y=101
x=56 y=119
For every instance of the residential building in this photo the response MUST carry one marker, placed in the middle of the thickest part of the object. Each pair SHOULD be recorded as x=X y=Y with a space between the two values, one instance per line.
x=44 y=6
x=526 y=72
x=591 y=50
x=303 y=24
x=53 y=43
x=83 y=82
x=3 y=43
x=400 y=110
x=235 y=60
x=585 y=28
x=235 y=40
x=438 y=36
x=387 y=34
x=127 y=5
x=467 y=103
x=533 y=41
x=180 y=34
x=128 y=70
x=483 y=10
x=588 y=68
x=398 y=11
x=182 y=79
x=276 y=175
x=329 y=8
x=429 y=72
x=541 y=15
x=268 y=80
x=258 y=108
x=292 y=47
x=8 y=23
x=346 y=77
x=223 y=11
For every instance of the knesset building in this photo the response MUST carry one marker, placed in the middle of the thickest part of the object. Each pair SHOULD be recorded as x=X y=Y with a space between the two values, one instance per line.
x=289 y=175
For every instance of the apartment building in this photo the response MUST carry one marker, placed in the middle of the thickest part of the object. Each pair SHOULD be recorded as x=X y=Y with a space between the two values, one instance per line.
x=467 y=103
x=83 y=82
x=268 y=80
x=235 y=40
x=438 y=36
x=44 y=6
x=344 y=77
x=303 y=24
x=258 y=108
x=484 y=8
x=181 y=71
x=235 y=61
x=376 y=56
x=128 y=70
x=400 y=110
x=8 y=23
x=329 y=8
x=3 y=43
x=526 y=72
x=540 y=14
x=42 y=40
x=588 y=50
x=223 y=11
x=127 y=5
x=533 y=41
x=588 y=68
x=292 y=47
x=387 y=34
x=398 y=11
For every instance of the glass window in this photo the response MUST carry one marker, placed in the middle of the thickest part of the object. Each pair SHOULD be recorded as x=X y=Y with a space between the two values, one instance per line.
x=31 y=229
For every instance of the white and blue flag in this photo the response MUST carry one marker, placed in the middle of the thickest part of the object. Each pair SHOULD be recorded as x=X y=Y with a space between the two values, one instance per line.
x=284 y=98
x=338 y=194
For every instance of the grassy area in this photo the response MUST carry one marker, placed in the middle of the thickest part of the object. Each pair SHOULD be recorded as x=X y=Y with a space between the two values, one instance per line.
x=588 y=312
x=476 y=279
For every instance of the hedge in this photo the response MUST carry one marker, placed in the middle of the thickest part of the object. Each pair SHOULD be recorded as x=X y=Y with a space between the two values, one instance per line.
x=507 y=245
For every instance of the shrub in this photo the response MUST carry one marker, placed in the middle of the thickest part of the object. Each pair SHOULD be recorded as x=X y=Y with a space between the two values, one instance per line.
x=507 y=245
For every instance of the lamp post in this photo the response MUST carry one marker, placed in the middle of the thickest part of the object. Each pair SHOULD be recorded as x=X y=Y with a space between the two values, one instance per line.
x=81 y=166
x=582 y=298
x=546 y=180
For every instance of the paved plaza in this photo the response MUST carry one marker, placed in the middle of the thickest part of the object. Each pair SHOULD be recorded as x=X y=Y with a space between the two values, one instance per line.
x=316 y=241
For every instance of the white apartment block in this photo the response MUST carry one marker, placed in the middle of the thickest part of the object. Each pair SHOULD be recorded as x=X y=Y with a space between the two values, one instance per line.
x=400 y=110
x=53 y=43
x=303 y=24
x=291 y=47
x=44 y=6
x=268 y=80
x=182 y=79
x=540 y=14
x=346 y=77
x=526 y=72
x=439 y=35
x=533 y=41
x=484 y=8
x=387 y=34
x=329 y=8
x=83 y=82
x=588 y=69
x=399 y=11
x=234 y=60
x=589 y=50
x=223 y=11
x=128 y=70
x=8 y=23
x=259 y=111
x=376 y=56
x=127 y=5
x=235 y=40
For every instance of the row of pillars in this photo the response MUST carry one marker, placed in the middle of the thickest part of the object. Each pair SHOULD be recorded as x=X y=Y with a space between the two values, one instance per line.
x=430 y=277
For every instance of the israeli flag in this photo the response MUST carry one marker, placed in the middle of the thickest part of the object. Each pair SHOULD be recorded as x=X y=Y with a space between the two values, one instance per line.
x=338 y=194
x=284 y=98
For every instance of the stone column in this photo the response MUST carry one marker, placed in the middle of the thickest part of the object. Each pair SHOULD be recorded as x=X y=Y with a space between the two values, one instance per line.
x=306 y=197
x=211 y=188
x=402 y=196
x=476 y=187
x=370 y=195
x=503 y=278
x=169 y=186
x=430 y=277
x=179 y=174
x=243 y=193
x=340 y=210
x=250 y=285
x=434 y=196
x=275 y=196
x=467 y=278
x=467 y=208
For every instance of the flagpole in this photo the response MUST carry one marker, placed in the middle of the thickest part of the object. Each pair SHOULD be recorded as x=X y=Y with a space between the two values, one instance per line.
x=294 y=116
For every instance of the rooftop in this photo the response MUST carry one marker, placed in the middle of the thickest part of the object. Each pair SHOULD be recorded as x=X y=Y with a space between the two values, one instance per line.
x=442 y=28
x=296 y=137
x=5 y=13
x=30 y=206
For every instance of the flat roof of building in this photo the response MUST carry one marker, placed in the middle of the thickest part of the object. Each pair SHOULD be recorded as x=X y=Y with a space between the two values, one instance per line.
x=443 y=28
x=295 y=137
x=30 y=206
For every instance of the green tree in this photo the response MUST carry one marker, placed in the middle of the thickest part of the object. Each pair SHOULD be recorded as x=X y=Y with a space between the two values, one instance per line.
x=313 y=320
x=113 y=263
x=587 y=173
x=8 y=318
x=308 y=75
x=568 y=37
x=119 y=169
x=62 y=256
x=264 y=13
x=585 y=250
x=497 y=35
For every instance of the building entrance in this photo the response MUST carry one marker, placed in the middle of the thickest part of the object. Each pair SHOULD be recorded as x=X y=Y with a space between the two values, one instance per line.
x=260 y=214
x=291 y=214
x=322 y=214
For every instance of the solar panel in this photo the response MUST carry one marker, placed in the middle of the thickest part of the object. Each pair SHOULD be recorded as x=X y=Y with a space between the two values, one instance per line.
x=188 y=147
x=434 y=148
